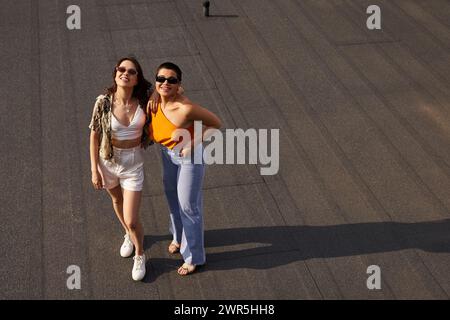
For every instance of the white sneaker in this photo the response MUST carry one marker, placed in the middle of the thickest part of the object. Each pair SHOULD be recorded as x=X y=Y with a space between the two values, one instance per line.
x=138 y=272
x=127 y=247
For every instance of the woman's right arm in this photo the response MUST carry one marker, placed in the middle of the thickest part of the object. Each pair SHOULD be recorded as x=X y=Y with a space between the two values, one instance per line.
x=93 y=148
x=95 y=127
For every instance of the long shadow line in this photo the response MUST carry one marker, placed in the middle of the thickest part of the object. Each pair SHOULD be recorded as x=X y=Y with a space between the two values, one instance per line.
x=281 y=245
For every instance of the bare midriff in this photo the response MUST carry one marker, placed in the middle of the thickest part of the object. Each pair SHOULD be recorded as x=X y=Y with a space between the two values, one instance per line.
x=126 y=144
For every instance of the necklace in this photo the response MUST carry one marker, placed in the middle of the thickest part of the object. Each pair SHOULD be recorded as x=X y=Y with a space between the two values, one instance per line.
x=126 y=106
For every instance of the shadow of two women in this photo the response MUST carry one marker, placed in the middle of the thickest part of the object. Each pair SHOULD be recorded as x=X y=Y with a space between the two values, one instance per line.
x=268 y=247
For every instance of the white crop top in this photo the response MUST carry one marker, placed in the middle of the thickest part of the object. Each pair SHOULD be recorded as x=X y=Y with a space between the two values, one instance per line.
x=133 y=131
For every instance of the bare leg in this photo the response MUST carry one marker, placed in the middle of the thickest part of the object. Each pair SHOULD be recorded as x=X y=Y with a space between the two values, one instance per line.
x=131 y=204
x=117 y=200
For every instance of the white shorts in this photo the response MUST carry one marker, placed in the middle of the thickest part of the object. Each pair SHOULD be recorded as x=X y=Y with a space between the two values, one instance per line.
x=127 y=170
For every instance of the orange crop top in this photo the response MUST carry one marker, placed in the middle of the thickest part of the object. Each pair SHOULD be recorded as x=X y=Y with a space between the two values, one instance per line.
x=162 y=129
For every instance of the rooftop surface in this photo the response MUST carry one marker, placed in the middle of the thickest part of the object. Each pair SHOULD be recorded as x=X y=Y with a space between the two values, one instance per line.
x=364 y=161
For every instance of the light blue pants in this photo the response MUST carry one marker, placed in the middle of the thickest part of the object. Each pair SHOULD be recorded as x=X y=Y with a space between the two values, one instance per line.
x=183 y=188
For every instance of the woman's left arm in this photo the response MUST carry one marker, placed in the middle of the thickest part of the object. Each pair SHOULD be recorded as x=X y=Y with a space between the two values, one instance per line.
x=209 y=120
x=197 y=113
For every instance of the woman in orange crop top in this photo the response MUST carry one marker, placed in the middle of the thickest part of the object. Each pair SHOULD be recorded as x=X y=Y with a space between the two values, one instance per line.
x=182 y=179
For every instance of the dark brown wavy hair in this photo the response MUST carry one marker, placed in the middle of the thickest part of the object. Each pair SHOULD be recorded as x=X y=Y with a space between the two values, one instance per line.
x=142 y=90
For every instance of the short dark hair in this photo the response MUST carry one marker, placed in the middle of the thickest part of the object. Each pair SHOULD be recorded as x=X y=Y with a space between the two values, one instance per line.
x=170 y=66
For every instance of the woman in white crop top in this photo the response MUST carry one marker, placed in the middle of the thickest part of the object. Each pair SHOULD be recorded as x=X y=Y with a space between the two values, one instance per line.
x=133 y=131
x=117 y=137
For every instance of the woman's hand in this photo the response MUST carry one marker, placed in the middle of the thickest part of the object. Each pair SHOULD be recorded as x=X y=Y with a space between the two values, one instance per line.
x=185 y=152
x=97 y=180
x=153 y=101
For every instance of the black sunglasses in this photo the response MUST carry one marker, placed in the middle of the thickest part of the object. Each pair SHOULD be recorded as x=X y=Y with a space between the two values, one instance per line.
x=130 y=71
x=171 y=80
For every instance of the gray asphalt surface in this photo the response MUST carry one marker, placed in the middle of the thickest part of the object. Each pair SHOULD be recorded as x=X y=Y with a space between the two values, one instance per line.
x=364 y=119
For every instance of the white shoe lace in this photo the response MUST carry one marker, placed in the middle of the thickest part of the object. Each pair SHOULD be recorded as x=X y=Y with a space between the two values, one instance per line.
x=138 y=262
x=127 y=240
